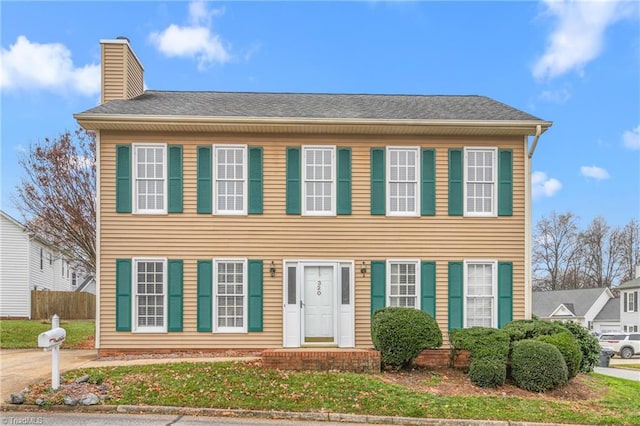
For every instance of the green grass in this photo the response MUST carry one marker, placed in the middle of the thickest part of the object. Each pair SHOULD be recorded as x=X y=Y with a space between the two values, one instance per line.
x=23 y=334
x=246 y=386
x=636 y=366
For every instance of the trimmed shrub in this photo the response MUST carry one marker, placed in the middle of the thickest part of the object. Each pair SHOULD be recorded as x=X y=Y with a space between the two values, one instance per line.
x=588 y=343
x=481 y=342
x=488 y=372
x=537 y=366
x=569 y=348
x=400 y=334
x=530 y=329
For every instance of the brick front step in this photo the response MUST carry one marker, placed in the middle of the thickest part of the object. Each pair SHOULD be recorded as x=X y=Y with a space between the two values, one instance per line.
x=321 y=359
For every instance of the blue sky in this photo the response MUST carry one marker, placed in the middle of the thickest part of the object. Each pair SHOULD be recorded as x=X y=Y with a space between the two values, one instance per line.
x=574 y=63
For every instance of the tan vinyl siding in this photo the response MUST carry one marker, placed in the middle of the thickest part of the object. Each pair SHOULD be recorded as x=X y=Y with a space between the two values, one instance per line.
x=275 y=235
x=134 y=85
x=122 y=74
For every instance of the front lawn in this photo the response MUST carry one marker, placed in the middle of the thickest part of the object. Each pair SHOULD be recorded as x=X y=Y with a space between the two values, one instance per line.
x=23 y=334
x=597 y=400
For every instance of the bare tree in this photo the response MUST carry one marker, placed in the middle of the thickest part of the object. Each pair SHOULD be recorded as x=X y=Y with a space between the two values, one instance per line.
x=630 y=250
x=57 y=195
x=601 y=247
x=556 y=252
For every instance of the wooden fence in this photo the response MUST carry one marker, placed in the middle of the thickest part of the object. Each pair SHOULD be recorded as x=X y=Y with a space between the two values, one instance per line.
x=67 y=304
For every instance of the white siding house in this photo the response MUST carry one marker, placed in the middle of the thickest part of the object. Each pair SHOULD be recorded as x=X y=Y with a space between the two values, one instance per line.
x=630 y=305
x=27 y=263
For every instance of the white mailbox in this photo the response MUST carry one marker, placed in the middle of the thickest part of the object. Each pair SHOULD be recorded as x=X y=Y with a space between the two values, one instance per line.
x=52 y=338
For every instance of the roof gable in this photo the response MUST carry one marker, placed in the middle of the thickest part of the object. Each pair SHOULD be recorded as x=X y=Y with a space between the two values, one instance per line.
x=545 y=303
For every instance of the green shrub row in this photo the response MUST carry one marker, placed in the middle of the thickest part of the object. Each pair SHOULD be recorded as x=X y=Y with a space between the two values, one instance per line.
x=488 y=372
x=537 y=366
x=568 y=347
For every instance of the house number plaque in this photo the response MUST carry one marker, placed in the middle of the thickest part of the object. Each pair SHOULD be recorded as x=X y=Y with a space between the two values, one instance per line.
x=319 y=288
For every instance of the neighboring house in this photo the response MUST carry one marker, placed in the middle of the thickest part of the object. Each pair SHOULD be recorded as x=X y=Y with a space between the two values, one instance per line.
x=270 y=220
x=594 y=308
x=27 y=263
x=88 y=284
x=629 y=312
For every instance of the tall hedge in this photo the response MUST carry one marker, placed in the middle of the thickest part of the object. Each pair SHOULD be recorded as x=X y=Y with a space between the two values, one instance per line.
x=400 y=334
x=530 y=329
x=569 y=348
x=589 y=346
x=481 y=342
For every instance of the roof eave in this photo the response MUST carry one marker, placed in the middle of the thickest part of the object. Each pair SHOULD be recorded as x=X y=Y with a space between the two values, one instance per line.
x=320 y=125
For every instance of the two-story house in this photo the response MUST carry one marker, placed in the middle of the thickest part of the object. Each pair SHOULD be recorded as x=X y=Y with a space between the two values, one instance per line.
x=282 y=220
x=629 y=312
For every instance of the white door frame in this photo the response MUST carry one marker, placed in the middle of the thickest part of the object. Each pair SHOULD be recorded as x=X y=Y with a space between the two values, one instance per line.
x=293 y=313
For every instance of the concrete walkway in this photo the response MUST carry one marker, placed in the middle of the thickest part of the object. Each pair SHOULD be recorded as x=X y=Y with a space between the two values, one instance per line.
x=621 y=373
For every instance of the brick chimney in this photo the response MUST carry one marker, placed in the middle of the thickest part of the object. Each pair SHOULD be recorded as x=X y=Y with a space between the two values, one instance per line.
x=122 y=72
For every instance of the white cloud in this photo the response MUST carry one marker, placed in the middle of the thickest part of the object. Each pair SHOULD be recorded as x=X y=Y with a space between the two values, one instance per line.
x=35 y=66
x=559 y=96
x=195 y=40
x=631 y=138
x=544 y=186
x=578 y=35
x=594 y=172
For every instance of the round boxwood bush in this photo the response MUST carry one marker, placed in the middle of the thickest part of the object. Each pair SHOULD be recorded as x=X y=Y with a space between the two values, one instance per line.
x=481 y=342
x=488 y=372
x=569 y=348
x=537 y=366
x=400 y=334
x=530 y=329
x=589 y=346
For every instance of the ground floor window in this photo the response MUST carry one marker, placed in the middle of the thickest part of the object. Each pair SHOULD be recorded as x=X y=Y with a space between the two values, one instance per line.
x=403 y=283
x=480 y=283
x=230 y=286
x=150 y=291
x=630 y=328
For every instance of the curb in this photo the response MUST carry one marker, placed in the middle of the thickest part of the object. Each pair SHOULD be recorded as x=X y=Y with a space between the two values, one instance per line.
x=270 y=415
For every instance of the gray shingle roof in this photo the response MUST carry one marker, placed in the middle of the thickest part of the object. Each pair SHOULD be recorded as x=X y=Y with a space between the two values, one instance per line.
x=545 y=302
x=610 y=311
x=630 y=284
x=313 y=105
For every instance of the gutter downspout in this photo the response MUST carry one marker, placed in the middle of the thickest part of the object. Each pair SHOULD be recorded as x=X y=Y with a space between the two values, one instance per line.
x=528 y=238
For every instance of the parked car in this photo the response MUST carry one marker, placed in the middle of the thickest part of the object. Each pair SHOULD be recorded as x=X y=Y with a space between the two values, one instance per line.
x=624 y=344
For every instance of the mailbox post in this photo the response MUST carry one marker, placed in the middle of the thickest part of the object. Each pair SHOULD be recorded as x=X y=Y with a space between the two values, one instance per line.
x=51 y=340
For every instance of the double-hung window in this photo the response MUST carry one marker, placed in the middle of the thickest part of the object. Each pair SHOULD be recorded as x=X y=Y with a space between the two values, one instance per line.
x=149 y=168
x=230 y=174
x=403 y=283
x=230 y=286
x=403 y=172
x=319 y=177
x=480 y=288
x=480 y=175
x=150 y=289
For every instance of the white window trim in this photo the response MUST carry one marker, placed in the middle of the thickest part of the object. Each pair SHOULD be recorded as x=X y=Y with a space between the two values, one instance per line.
x=418 y=280
x=630 y=301
x=494 y=289
x=245 y=307
x=245 y=179
x=387 y=182
x=134 y=189
x=494 y=204
x=134 y=301
x=334 y=167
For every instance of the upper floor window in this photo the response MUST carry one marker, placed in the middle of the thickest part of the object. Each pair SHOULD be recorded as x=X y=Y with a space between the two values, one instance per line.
x=41 y=258
x=230 y=174
x=403 y=172
x=480 y=175
x=403 y=283
x=149 y=286
x=630 y=301
x=480 y=287
x=149 y=173
x=319 y=180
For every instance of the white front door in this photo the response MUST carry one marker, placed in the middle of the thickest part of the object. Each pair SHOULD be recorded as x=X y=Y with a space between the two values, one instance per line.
x=318 y=303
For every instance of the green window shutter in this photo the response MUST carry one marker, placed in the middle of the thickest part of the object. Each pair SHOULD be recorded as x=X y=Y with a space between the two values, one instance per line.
x=123 y=179
x=378 y=201
x=456 y=192
x=174 y=284
x=254 y=303
x=204 y=180
x=344 y=181
x=505 y=182
x=428 y=189
x=293 y=180
x=455 y=295
x=505 y=293
x=123 y=294
x=255 y=180
x=205 y=290
x=378 y=285
x=428 y=287
x=175 y=178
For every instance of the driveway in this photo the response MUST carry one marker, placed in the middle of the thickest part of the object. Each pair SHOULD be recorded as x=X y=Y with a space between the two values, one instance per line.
x=21 y=367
